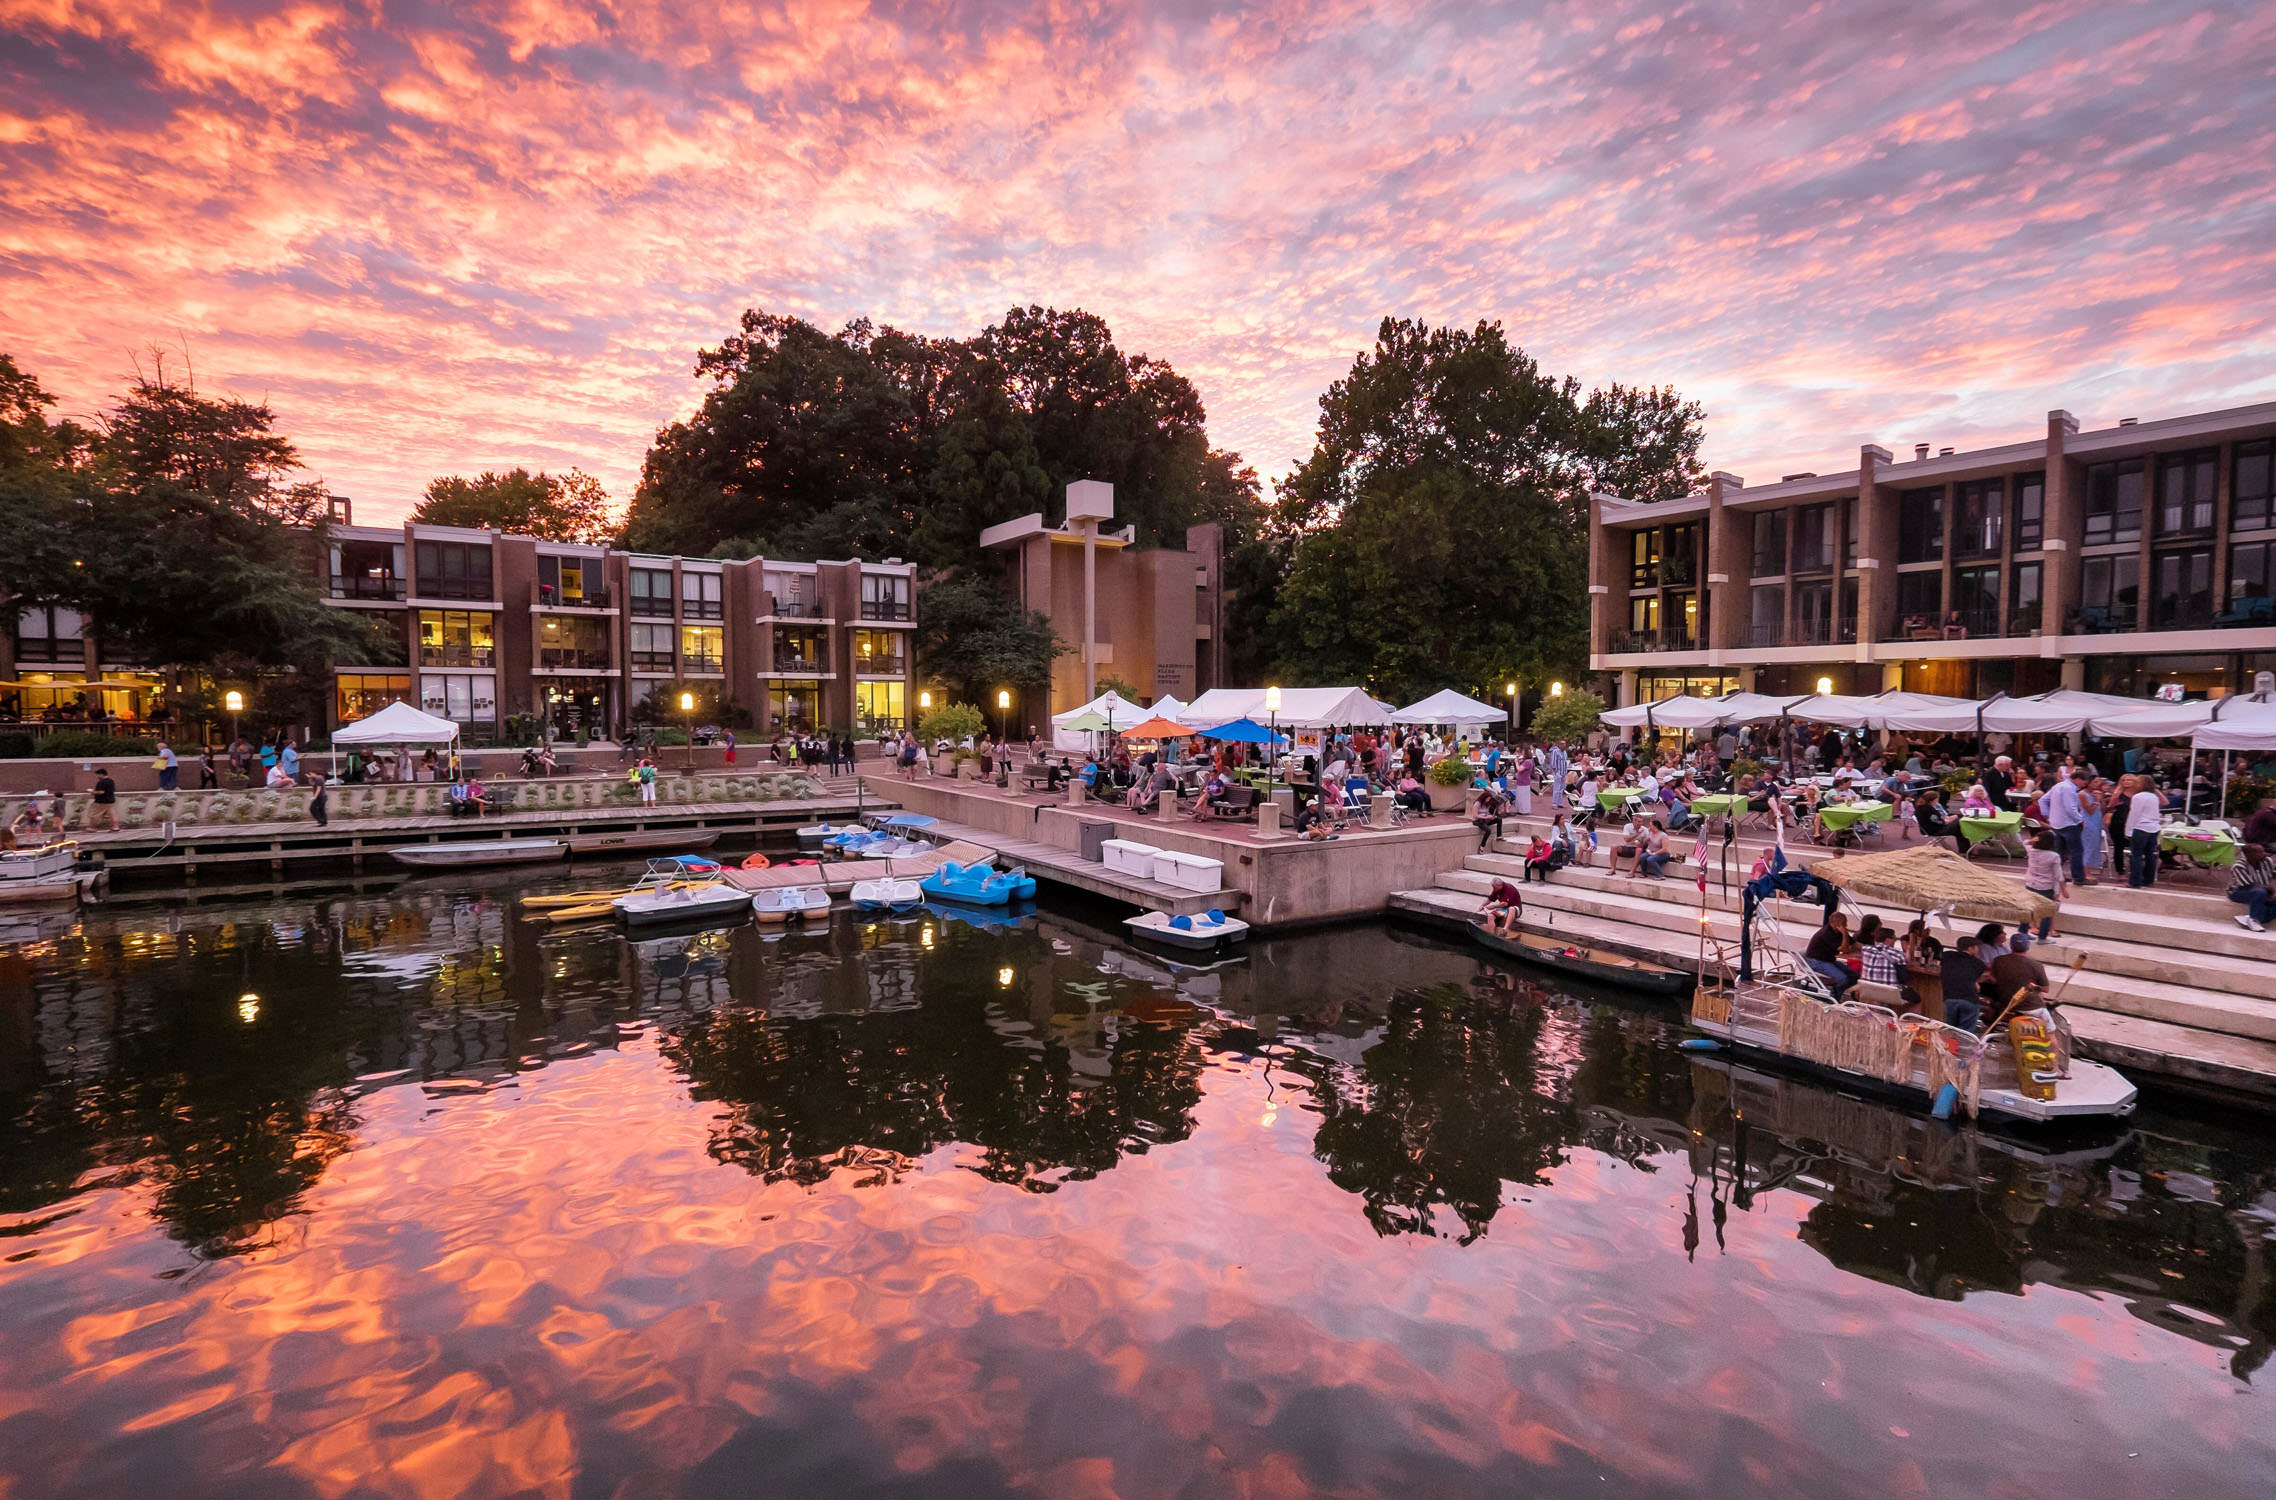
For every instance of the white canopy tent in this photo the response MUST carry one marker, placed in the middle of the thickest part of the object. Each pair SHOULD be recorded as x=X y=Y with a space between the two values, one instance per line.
x=397 y=724
x=1682 y=711
x=1450 y=707
x=1300 y=708
x=2241 y=726
x=1109 y=705
x=1895 y=709
x=2063 y=711
x=2159 y=721
x=1168 y=708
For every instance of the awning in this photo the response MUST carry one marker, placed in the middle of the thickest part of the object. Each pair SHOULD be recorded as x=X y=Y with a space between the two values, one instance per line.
x=1681 y=711
x=397 y=724
x=1300 y=708
x=1891 y=710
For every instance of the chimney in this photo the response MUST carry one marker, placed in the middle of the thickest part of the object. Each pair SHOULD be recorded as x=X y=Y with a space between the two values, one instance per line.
x=1919 y=452
x=1790 y=478
x=2128 y=421
x=1943 y=453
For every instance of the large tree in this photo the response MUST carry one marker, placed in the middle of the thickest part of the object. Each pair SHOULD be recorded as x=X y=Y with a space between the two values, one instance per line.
x=973 y=638
x=569 y=507
x=1436 y=536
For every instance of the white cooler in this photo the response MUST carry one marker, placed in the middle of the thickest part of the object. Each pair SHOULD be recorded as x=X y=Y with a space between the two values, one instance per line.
x=1189 y=872
x=1130 y=858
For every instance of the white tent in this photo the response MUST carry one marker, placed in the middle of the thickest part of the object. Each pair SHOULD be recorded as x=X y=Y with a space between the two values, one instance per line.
x=1110 y=705
x=1450 y=707
x=1755 y=708
x=2063 y=711
x=1891 y=710
x=2241 y=726
x=1168 y=708
x=1300 y=708
x=1682 y=711
x=2158 y=722
x=397 y=724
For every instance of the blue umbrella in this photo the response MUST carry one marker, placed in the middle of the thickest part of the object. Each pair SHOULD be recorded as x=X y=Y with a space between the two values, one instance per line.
x=910 y=820
x=1246 y=732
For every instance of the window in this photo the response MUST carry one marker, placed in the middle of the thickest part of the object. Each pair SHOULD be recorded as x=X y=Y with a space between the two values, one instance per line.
x=699 y=596
x=1920 y=526
x=1769 y=543
x=884 y=596
x=2114 y=501
x=879 y=652
x=50 y=633
x=1683 y=617
x=1849 y=532
x=570 y=580
x=795 y=704
x=470 y=698
x=1679 y=554
x=362 y=694
x=2248 y=570
x=2185 y=492
x=452 y=570
x=1979 y=511
x=651 y=590
x=1813 y=612
x=1813 y=538
x=1766 y=614
x=2110 y=587
x=1920 y=596
x=651 y=647
x=1644 y=615
x=455 y=638
x=2184 y=587
x=367 y=570
x=798 y=651
x=1644 y=560
x=880 y=705
x=2030 y=511
x=573 y=643
x=2253 y=485
x=1975 y=597
x=2030 y=588
x=790 y=594
x=703 y=648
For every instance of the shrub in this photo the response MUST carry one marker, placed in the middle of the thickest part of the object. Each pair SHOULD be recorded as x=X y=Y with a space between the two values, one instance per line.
x=951 y=721
x=80 y=744
x=1747 y=765
x=1957 y=780
x=1567 y=717
x=671 y=734
x=1452 y=771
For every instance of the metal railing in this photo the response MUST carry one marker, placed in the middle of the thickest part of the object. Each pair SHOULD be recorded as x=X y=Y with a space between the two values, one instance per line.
x=572 y=659
x=1813 y=632
x=458 y=656
x=1651 y=640
x=546 y=596
x=882 y=666
x=428 y=586
x=885 y=609
x=791 y=661
x=793 y=609
x=366 y=586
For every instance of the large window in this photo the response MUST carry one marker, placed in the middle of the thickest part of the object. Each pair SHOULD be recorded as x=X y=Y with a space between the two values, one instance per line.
x=2030 y=511
x=884 y=596
x=1920 y=526
x=2109 y=588
x=1975 y=598
x=452 y=570
x=2248 y=570
x=1979 y=511
x=2253 y=506
x=1769 y=543
x=576 y=643
x=1679 y=554
x=2184 y=591
x=651 y=590
x=570 y=580
x=470 y=698
x=798 y=651
x=879 y=652
x=2114 y=501
x=1644 y=615
x=362 y=694
x=2023 y=610
x=699 y=596
x=703 y=648
x=880 y=706
x=2185 y=492
x=1813 y=613
x=455 y=638
x=1849 y=531
x=1644 y=559
x=1813 y=539
x=791 y=594
x=50 y=633
x=1683 y=620
x=651 y=647
x=794 y=704
x=1920 y=598
x=1766 y=615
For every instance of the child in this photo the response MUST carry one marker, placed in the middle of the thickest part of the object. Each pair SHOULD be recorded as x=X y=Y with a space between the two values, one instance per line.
x=2043 y=876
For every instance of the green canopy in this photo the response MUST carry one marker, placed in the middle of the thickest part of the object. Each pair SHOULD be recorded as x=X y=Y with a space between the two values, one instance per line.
x=1086 y=723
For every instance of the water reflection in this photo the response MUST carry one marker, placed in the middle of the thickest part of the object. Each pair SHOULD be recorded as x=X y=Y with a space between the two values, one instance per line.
x=996 y=1204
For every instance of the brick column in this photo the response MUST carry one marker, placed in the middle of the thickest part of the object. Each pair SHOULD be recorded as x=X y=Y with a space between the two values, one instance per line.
x=1876 y=550
x=2062 y=528
x=1727 y=566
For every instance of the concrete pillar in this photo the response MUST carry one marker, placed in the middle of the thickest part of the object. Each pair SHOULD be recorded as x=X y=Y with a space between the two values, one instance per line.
x=1892 y=676
x=1075 y=792
x=1268 y=820
x=1379 y=810
x=2062 y=528
x=1166 y=806
x=1747 y=676
x=2074 y=673
x=1730 y=547
x=1627 y=687
x=1876 y=550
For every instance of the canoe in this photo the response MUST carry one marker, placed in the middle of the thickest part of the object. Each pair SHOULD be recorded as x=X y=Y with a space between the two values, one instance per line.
x=1205 y=933
x=483 y=852
x=634 y=840
x=1592 y=965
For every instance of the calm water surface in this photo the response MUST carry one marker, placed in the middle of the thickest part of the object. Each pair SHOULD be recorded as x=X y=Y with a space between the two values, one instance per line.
x=391 y=1194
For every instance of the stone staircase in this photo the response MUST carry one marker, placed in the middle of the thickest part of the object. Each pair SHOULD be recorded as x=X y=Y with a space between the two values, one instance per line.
x=2164 y=981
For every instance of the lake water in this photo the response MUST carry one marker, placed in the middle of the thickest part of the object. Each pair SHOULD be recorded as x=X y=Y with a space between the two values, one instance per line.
x=389 y=1193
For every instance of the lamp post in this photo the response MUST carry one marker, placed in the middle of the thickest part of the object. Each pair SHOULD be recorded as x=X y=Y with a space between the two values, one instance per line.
x=1511 y=688
x=1556 y=690
x=687 y=726
x=1272 y=740
x=234 y=701
x=1003 y=735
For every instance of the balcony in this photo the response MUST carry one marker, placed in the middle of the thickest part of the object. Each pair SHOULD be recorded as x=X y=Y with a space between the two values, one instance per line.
x=1805 y=633
x=652 y=661
x=431 y=586
x=793 y=609
x=703 y=664
x=882 y=666
x=1621 y=642
x=885 y=609
x=792 y=661
x=546 y=596
x=1963 y=625
x=457 y=656
x=380 y=586
x=571 y=659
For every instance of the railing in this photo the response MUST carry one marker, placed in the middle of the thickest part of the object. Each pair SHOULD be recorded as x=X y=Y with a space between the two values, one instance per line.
x=49 y=648
x=649 y=607
x=431 y=587
x=572 y=659
x=1959 y=625
x=793 y=609
x=457 y=656
x=1819 y=632
x=882 y=666
x=885 y=609
x=365 y=586
x=701 y=609
x=546 y=596
x=786 y=661
x=1651 y=640
x=704 y=663
x=651 y=661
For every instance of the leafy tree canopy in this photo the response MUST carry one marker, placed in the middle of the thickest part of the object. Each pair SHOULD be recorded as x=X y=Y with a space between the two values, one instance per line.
x=1436 y=536
x=974 y=638
x=569 y=507
x=1568 y=717
x=175 y=522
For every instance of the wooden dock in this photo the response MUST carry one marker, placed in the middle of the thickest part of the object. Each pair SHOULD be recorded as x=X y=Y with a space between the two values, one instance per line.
x=1065 y=867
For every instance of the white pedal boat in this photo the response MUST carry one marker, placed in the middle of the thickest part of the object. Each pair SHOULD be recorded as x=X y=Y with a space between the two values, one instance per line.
x=1204 y=933
x=887 y=895
x=784 y=903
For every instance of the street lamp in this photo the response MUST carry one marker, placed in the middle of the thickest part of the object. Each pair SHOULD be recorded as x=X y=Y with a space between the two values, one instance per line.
x=1272 y=741
x=1003 y=737
x=687 y=725
x=1825 y=686
x=1511 y=688
x=234 y=701
x=1556 y=690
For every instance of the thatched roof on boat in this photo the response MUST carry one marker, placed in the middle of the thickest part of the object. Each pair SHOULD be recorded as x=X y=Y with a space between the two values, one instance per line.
x=1930 y=877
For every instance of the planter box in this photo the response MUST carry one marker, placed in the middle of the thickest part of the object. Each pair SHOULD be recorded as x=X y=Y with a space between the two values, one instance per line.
x=1447 y=798
x=944 y=765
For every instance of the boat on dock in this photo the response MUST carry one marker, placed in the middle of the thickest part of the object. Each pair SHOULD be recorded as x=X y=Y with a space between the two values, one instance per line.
x=48 y=873
x=1209 y=932
x=632 y=841
x=978 y=884
x=1578 y=961
x=477 y=853
x=681 y=888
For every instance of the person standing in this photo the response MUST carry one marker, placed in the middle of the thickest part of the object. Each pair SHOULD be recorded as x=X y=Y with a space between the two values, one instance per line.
x=103 y=808
x=169 y=768
x=209 y=775
x=319 y=806
x=2065 y=819
x=1559 y=764
x=2144 y=815
x=2043 y=875
x=2252 y=885
x=2091 y=806
x=728 y=739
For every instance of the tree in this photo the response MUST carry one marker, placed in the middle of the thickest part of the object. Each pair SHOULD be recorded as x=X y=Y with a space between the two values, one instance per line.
x=569 y=507
x=1568 y=716
x=973 y=638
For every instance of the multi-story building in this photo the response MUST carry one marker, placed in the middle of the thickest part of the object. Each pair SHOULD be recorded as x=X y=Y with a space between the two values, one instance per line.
x=2118 y=560
x=1154 y=615
x=495 y=625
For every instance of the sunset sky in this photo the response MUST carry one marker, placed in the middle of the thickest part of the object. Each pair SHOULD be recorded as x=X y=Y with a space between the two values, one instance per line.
x=446 y=237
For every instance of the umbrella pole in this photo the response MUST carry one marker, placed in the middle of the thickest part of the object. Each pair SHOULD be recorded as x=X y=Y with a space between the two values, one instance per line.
x=2225 y=754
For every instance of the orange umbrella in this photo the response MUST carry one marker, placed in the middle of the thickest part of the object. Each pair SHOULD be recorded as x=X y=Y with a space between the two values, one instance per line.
x=1158 y=728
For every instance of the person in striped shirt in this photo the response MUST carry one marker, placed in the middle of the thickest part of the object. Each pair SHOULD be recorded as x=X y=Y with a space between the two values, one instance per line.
x=2252 y=885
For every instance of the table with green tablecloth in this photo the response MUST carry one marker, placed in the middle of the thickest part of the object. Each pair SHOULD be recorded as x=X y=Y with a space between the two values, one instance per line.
x=1844 y=815
x=2204 y=847
x=1718 y=804
x=1613 y=798
x=2006 y=825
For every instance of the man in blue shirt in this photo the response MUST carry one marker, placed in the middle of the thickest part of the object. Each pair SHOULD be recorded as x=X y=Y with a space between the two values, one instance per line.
x=2066 y=820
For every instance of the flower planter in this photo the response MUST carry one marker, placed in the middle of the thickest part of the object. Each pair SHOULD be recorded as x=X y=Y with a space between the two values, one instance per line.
x=1447 y=798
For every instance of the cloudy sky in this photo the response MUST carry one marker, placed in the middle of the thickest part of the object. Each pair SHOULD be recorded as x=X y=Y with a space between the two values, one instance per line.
x=441 y=237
